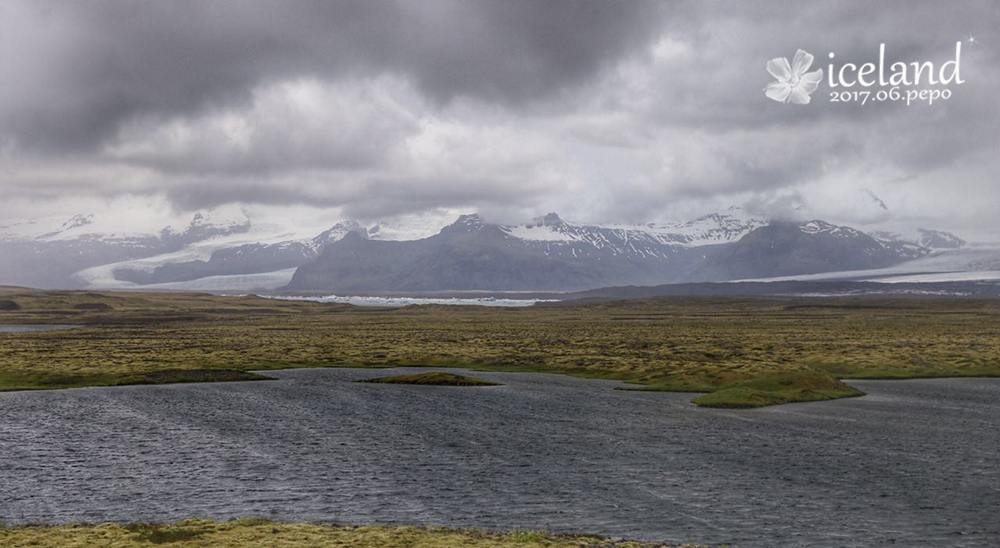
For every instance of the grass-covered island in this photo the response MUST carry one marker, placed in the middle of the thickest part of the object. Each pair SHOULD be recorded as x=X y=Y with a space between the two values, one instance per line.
x=778 y=389
x=259 y=533
x=743 y=352
x=432 y=379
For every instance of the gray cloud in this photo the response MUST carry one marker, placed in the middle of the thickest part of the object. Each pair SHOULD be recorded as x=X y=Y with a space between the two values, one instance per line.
x=80 y=69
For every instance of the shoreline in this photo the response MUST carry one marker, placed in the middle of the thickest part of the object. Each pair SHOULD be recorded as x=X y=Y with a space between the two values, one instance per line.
x=213 y=376
x=739 y=352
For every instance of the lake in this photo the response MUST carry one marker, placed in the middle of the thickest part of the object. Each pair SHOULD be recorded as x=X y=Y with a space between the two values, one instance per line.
x=30 y=328
x=914 y=462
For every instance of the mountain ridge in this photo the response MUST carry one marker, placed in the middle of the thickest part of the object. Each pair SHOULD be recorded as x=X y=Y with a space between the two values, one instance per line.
x=547 y=252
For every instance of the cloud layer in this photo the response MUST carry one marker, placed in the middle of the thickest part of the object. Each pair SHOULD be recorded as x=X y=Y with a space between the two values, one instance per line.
x=603 y=110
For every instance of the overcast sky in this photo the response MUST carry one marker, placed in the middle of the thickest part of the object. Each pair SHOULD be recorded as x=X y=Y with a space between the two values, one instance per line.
x=599 y=110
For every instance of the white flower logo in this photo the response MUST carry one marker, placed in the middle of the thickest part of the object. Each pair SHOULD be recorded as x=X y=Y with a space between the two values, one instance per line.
x=794 y=84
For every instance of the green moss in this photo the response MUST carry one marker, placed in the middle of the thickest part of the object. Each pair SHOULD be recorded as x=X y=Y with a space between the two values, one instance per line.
x=432 y=379
x=740 y=397
x=778 y=389
x=156 y=533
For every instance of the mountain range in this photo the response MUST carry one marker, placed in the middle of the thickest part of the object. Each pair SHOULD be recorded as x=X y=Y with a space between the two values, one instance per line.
x=226 y=250
x=553 y=255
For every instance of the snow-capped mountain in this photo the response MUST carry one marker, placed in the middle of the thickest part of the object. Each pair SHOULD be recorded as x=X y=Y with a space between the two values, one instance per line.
x=924 y=238
x=649 y=240
x=76 y=221
x=715 y=228
x=939 y=239
x=789 y=249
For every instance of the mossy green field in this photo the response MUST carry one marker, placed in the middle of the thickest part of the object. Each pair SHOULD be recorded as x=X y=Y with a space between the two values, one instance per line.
x=675 y=344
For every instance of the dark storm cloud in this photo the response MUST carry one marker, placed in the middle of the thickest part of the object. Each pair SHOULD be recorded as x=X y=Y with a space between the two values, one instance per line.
x=75 y=71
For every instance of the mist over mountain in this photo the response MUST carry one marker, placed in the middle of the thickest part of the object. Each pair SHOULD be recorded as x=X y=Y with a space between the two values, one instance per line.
x=37 y=254
x=249 y=258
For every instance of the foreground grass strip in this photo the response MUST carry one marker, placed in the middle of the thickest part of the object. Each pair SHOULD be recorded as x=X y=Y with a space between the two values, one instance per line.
x=432 y=379
x=259 y=532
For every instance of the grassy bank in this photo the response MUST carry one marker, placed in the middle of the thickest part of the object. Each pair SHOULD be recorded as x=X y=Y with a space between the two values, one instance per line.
x=52 y=380
x=255 y=533
x=676 y=344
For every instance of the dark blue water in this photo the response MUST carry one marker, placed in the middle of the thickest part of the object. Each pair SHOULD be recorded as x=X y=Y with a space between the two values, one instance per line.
x=915 y=463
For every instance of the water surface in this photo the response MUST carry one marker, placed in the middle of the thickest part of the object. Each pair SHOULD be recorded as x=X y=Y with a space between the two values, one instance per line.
x=915 y=463
x=30 y=328
x=361 y=300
